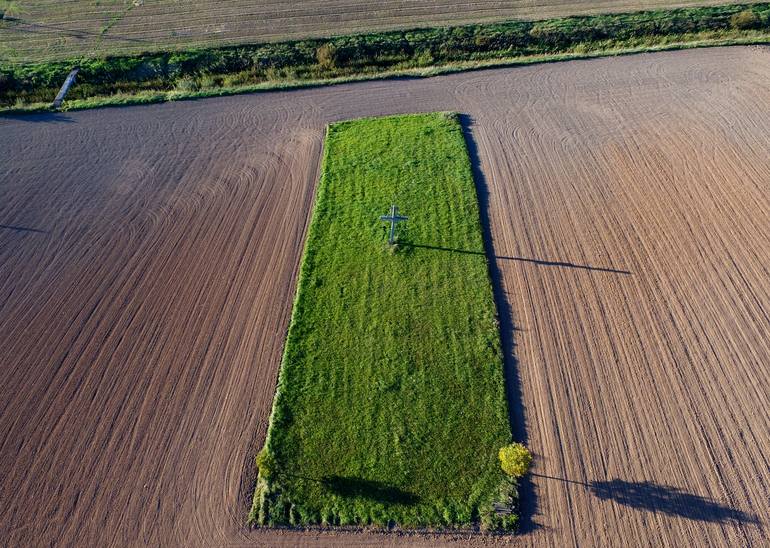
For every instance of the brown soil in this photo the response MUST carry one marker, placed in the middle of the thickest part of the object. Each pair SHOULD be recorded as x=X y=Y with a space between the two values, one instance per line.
x=148 y=257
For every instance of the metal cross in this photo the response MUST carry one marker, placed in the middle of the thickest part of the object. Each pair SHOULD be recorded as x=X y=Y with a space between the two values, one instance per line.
x=393 y=218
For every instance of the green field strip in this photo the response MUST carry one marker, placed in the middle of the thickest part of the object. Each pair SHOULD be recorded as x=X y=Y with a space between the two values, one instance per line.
x=390 y=407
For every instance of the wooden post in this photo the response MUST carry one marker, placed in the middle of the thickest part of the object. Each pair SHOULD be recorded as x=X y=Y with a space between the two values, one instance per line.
x=65 y=88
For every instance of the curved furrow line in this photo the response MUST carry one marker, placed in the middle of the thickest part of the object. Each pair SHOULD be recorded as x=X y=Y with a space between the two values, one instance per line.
x=148 y=259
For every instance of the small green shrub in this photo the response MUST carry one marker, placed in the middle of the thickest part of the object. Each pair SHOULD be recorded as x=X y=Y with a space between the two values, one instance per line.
x=515 y=459
x=10 y=9
x=745 y=20
x=326 y=55
x=237 y=79
x=265 y=464
x=210 y=81
x=187 y=85
x=490 y=521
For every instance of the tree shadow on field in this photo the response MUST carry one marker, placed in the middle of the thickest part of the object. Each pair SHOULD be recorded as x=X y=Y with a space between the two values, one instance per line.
x=358 y=487
x=671 y=501
x=374 y=490
x=15 y=228
x=35 y=117
x=528 y=499
x=664 y=499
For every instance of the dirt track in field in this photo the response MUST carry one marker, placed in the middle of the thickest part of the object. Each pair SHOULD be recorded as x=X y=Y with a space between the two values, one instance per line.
x=56 y=29
x=148 y=257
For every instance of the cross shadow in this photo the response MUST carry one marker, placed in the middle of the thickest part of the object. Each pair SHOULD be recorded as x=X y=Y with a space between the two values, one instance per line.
x=527 y=497
x=537 y=262
x=22 y=229
x=664 y=499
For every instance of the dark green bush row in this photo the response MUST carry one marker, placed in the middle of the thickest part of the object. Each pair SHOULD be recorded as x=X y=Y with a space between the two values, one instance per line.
x=346 y=55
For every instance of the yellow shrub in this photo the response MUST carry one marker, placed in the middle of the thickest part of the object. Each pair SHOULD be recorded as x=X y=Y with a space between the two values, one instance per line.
x=515 y=459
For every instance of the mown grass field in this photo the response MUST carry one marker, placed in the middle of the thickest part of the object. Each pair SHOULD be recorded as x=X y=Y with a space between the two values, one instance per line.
x=390 y=406
x=45 y=30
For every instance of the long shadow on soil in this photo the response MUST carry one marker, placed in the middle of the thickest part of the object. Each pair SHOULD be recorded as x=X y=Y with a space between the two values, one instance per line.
x=664 y=499
x=46 y=117
x=537 y=262
x=527 y=497
x=22 y=229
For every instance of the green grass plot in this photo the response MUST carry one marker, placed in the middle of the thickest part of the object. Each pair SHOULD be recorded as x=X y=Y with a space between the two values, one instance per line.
x=390 y=408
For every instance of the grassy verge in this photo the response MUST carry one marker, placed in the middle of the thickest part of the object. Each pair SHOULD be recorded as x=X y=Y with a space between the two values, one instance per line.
x=222 y=71
x=390 y=407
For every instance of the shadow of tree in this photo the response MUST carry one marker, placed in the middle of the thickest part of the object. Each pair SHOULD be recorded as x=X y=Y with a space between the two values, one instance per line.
x=45 y=117
x=668 y=500
x=370 y=489
x=22 y=229
x=665 y=499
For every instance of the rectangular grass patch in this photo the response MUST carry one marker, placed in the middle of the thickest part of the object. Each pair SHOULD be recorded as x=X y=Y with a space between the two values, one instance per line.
x=390 y=407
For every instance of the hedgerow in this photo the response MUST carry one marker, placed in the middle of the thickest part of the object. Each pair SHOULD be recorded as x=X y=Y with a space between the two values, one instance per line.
x=376 y=52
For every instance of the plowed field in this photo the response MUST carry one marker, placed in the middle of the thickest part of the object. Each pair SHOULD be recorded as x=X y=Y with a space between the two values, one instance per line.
x=55 y=29
x=148 y=258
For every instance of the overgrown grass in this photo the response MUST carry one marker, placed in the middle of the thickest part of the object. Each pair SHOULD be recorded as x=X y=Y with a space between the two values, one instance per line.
x=216 y=71
x=390 y=407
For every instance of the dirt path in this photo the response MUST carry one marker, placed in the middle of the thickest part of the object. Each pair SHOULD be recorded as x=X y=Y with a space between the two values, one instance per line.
x=147 y=266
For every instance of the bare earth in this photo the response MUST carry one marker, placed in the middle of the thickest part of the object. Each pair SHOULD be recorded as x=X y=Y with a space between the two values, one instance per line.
x=148 y=258
x=56 y=29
